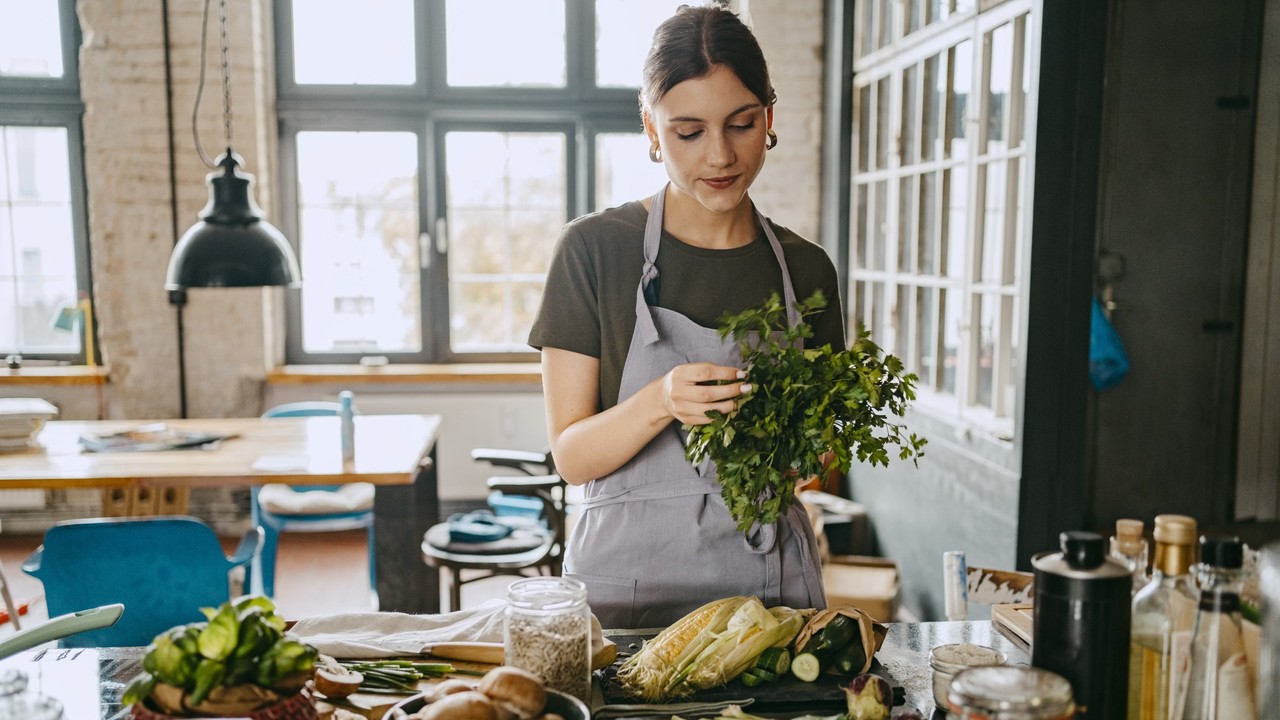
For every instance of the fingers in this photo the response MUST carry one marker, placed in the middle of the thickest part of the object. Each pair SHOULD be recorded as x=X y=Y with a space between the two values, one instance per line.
x=691 y=391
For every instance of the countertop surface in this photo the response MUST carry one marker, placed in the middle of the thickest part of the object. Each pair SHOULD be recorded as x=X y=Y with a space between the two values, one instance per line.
x=904 y=658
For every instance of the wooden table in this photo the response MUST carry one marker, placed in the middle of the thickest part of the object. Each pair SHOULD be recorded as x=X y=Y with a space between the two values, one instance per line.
x=394 y=452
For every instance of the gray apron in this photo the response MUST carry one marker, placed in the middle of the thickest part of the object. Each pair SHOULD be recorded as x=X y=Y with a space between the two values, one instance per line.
x=654 y=540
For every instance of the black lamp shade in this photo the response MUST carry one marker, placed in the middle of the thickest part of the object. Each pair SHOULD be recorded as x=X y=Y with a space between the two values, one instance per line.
x=232 y=245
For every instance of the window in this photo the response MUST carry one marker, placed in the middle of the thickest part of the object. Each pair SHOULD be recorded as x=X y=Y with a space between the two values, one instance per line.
x=43 y=241
x=941 y=184
x=428 y=168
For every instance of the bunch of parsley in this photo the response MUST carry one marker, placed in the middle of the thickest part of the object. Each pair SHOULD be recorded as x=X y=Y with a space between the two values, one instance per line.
x=803 y=403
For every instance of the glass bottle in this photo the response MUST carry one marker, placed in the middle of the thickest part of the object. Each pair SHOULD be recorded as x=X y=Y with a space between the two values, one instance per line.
x=1129 y=547
x=548 y=633
x=1162 y=620
x=1218 y=685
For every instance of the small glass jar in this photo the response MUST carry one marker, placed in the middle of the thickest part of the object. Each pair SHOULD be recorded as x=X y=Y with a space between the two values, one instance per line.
x=17 y=704
x=548 y=633
x=1009 y=692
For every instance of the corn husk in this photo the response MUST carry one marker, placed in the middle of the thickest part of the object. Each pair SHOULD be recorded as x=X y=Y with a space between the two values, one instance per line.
x=708 y=647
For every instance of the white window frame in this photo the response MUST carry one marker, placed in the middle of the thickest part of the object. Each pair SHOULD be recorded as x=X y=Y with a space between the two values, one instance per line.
x=889 y=60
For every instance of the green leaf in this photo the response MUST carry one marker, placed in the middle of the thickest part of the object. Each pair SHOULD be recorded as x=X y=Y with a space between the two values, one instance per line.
x=805 y=402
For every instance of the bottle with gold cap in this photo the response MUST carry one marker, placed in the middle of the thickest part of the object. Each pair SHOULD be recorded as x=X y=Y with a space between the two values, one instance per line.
x=1129 y=547
x=1164 y=613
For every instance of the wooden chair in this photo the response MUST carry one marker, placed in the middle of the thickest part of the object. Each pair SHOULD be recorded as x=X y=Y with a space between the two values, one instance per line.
x=535 y=549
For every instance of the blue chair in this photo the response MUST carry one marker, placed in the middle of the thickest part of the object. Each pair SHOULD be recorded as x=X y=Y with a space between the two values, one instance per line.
x=278 y=508
x=163 y=569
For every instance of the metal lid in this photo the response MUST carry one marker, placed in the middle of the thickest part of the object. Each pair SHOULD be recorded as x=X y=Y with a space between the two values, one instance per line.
x=1083 y=556
x=1011 y=692
x=1175 y=529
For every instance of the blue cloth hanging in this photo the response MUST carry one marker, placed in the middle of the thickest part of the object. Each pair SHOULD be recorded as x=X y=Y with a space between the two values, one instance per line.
x=1108 y=363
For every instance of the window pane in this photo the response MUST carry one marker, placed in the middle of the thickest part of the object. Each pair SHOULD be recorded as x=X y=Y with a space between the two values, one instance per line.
x=37 y=240
x=623 y=169
x=866 y=29
x=879 y=225
x=864 y=128
x=508 y=197
x=926 y=338
x=884 y=19
x=358 y=241
x=915 y=15
x=876 y=311
x=334 y=46
x=481 y=38
x=901 y=320
x=624 y=32
x=928 y=240
x=949 y=310
x=935 y=95
x=861 y=221
x=955 y=237
x=906 y=226
x=993 y=231
x=1000 y=78
x=986 y=349
x=30 y=39
x=910 y=85
x=961 y=82
x=883 y=131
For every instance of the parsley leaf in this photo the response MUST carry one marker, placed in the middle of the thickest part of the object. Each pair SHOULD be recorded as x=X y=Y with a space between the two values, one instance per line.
x=803 y=403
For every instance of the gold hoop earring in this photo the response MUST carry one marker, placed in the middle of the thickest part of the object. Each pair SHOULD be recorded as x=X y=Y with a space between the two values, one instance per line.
x=655 y=153
x=773 y=139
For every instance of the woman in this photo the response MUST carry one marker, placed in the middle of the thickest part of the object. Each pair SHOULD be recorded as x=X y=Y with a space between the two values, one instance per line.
x=630 y=349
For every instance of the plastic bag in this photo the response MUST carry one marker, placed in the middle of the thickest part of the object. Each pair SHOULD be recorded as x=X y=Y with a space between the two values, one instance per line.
x=1108 y=363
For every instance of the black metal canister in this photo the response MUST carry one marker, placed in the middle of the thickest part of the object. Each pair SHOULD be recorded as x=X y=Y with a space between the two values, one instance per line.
x=1081 y=628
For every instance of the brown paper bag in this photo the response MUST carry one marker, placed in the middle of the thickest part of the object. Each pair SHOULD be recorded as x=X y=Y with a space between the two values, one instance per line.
x=872 y=632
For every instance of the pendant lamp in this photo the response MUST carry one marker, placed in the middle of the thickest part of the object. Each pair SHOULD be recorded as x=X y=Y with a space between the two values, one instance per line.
x=231 y=245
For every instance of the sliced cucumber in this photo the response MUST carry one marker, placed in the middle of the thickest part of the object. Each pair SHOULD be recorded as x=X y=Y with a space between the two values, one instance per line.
x=776 y=660
x=750 y=679
x=765 y=675
x=806 y=667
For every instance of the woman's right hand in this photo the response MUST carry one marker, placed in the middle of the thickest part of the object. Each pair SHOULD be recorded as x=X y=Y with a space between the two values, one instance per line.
x=690 y=391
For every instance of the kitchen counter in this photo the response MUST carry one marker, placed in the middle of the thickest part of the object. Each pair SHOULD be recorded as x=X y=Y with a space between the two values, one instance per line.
x=70 y=674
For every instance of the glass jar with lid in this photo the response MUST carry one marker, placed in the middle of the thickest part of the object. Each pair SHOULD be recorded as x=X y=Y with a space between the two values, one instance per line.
x=1009 y=692
x=548 y=633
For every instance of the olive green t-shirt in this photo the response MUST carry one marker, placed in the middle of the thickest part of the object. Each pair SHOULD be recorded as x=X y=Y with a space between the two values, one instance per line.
x=589 y=303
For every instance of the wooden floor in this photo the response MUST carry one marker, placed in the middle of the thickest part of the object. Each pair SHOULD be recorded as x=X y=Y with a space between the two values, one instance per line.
x=316 y=574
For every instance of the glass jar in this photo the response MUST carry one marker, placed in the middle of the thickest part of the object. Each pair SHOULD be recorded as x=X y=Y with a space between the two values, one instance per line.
x=1009 y=692
x=17 y=704
x=548 y=633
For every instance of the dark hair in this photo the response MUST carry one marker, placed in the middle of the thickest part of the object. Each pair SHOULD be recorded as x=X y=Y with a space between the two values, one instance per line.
x=693 y=41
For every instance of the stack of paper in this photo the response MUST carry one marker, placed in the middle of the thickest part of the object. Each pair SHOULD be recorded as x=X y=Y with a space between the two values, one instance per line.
x=21 y=420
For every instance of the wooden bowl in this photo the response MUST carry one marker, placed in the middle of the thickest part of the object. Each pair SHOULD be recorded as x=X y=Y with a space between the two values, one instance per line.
x=300 y=706
x=567 y=706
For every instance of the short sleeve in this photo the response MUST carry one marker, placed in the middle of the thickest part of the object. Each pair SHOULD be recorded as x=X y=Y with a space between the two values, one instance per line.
x=567 y=318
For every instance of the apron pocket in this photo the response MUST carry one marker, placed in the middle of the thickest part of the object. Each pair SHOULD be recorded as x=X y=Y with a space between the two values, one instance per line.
x=612 y=600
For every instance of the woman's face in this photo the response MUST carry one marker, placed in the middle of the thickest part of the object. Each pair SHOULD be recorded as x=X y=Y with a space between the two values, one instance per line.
x=712 y=132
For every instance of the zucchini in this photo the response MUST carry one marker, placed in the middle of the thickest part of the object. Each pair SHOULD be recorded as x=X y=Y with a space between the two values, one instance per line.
x=776 y=660
x=806 y=667
x=851 y=657
x=830 y=639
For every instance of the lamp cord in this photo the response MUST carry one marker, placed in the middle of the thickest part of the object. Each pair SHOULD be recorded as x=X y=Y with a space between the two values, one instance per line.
x=226 y=79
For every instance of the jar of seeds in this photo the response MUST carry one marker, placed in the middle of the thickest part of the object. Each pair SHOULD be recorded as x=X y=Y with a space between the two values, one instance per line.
x=548 y=633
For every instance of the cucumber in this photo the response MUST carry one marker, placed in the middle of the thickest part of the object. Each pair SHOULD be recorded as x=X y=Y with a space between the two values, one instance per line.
x=765 y=675
x=776 y=660
x=750 y=679
x=806 y=666
x=830 y=639
x=851 y=657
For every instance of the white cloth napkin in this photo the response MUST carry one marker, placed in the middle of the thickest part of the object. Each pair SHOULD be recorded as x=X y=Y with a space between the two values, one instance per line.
x=363 y=636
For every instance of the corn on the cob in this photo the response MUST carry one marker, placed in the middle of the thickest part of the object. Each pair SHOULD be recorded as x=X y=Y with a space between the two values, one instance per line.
x=648 y=673
x=737 y=649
